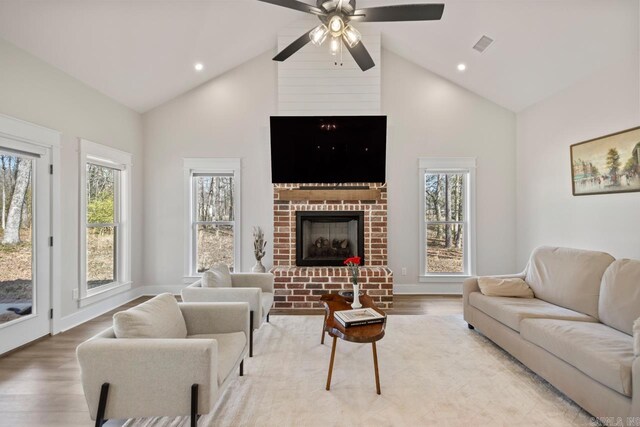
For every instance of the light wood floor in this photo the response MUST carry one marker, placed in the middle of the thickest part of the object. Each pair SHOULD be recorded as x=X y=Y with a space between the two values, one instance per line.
x=40 y=383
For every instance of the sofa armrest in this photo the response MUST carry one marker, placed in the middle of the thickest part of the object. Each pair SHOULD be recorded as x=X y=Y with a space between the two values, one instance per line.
x=468 y=286
x=216 y=318
x=264 y=281
x=149 y=377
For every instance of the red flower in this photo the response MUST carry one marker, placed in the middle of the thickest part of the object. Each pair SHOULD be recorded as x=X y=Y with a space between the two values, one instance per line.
x=353 y=260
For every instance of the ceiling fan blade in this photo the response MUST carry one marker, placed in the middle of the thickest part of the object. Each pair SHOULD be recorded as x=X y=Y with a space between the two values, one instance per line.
x=403 y=12
x=361 y=55
x=298 y=44
x=297 y=5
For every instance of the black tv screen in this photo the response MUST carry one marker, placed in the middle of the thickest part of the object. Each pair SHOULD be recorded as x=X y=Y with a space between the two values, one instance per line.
x=340 y=149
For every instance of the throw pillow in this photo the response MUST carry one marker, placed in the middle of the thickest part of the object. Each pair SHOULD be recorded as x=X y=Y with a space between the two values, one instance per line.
x=636 y=337
x=217 y=276
x=160 y=317
x=501 y=287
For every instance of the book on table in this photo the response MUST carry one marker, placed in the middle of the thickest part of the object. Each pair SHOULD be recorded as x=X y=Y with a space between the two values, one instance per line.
x=358 y=317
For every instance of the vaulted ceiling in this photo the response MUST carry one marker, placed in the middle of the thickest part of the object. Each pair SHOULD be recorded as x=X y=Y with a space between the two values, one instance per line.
x=141 y=52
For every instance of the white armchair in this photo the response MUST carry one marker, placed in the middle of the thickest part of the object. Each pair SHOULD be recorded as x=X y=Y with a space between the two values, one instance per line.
x=145 y=377
x=256 y=289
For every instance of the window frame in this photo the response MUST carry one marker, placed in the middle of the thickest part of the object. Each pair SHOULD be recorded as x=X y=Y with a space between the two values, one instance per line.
x=209 y=166
x=450 y=165
x=102 y=155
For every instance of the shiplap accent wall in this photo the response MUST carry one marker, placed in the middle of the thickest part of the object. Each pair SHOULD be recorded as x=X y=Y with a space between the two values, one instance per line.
x=309 y=83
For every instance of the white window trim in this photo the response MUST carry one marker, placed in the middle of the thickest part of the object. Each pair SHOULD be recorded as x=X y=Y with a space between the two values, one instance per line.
x=210 y=165
x=450 y=165
x=110 y=157
x=13 y=128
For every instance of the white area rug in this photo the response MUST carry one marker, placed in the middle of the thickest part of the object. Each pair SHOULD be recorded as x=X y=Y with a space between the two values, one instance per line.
x=433 y=372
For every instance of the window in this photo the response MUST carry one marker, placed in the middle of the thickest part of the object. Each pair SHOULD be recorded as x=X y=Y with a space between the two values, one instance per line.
x=447 y=222
x=213 y=212
x=105 y=231
x=103 y=224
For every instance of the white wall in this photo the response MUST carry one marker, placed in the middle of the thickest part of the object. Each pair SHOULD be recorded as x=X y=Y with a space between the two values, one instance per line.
x=548 y=214
x=34 y=91
x=429 y=116
x=229 y=117
x=226 y=117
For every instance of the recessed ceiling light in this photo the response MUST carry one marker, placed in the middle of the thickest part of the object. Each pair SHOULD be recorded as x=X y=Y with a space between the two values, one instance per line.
x=462 y=67
x=198 y=66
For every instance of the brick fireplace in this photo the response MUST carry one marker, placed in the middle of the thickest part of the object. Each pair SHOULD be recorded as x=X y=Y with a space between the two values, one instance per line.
x=300 y=286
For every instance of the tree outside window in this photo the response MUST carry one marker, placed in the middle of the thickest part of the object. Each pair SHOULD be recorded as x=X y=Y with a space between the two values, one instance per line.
x=447 y=223
x=214 y=220
x=102 y=225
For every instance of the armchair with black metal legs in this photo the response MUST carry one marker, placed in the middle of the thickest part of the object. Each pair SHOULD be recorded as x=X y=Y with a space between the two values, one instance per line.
x=127 y=378
x=256 y=289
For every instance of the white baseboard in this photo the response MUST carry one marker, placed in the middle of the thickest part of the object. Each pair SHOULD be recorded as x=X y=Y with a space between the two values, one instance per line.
x=94 y=310
x=428 y=289
x=161 y=289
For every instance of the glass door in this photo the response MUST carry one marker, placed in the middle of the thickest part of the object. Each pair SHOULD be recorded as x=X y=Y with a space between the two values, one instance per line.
x=24 y=243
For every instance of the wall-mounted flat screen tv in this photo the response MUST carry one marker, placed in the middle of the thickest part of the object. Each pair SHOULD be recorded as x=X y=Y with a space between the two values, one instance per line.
x=338 y=149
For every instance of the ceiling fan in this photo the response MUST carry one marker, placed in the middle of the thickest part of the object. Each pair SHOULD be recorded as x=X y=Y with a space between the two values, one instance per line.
x=336 y=17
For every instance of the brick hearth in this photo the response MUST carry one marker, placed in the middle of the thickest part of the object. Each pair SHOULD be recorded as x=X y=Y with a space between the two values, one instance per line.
x=301 y=287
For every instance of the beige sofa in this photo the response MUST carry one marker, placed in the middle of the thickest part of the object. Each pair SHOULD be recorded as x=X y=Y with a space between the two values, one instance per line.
x=256 y=289
x=169 y=373
x=577 y=333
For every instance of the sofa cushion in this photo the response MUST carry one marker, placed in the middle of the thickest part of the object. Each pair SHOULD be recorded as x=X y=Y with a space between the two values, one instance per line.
x=217 y=276
x=504 y=287
x=160 y=317
x=568 y=277
x=511 y=311
x=619 y=303
x=267 y=302
x=230 y=347
x=603 y=353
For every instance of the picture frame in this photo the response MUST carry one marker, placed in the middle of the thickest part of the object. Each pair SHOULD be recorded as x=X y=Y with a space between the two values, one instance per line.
x=606 y=165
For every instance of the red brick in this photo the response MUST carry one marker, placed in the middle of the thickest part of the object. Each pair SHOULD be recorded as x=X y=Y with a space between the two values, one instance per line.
x=302 y=305
x=283 y=305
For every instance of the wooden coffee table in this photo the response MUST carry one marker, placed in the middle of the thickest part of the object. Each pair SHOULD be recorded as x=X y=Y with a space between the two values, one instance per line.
x=358 y=334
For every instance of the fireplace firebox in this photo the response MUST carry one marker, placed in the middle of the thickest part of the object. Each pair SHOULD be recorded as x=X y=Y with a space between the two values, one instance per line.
x=328 y=238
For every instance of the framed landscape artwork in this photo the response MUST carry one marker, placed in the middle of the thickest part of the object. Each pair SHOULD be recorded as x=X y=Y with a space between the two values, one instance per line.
x=609 y=164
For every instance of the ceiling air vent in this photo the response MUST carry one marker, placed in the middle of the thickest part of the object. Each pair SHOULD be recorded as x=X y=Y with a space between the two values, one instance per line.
x=483 y=44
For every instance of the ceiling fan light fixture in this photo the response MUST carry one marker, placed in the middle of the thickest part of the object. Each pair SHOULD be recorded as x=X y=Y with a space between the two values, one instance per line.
x=352 y=36
x=319 y=34
x=335 y=17
x=336 y=25
x=334 y=46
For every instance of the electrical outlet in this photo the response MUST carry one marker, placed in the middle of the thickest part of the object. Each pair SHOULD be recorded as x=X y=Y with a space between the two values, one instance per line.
x=74 y=294
x=404 y=271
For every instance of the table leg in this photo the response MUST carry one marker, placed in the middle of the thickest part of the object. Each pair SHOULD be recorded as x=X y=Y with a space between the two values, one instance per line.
x=375 y=366
x=324 y=325
x=333 y=354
